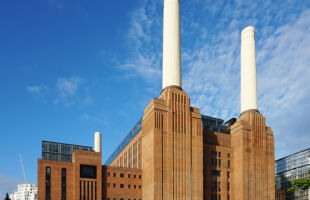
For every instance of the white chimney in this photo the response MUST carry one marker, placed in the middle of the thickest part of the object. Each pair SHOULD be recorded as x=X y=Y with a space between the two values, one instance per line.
x=248 y=70
x=171 y=44
x=97 y=145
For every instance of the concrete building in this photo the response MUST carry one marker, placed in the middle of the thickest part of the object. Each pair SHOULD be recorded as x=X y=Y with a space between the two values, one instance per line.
x=178 y=152
x=288 y=169
x=25 y=192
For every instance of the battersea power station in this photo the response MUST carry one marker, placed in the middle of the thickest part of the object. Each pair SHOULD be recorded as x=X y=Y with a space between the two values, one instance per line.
x=173 y=152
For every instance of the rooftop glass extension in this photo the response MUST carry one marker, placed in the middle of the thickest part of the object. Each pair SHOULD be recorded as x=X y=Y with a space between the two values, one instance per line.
x=60 y=151
x=209 y=123
x=134 y=131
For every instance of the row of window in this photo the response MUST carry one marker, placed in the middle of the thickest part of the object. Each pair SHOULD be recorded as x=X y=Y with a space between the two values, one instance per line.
x=215 y=154
x=121 y=175
x=216 y=173
x=216 y=186
x=48 y=183
x=216 y=163
x=120 y=199
x=132 y=158
x=218 y=197
x=122 y=186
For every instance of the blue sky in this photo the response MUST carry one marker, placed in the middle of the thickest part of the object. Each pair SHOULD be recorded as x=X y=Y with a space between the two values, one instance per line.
x=73 y=67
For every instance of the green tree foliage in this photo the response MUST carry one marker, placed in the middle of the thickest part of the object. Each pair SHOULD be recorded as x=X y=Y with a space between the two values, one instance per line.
x=7 y=197
x=302 y=184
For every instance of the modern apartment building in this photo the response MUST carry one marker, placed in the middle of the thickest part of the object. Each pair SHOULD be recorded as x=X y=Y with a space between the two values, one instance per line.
x=290 y=168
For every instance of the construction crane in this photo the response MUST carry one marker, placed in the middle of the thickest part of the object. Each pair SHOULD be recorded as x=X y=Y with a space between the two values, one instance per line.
x=23 y=168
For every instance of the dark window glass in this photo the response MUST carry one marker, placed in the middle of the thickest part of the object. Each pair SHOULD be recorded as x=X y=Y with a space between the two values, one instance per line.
x=228 y=174
x=48 y=183
x=134 y=186
x=87 y=190
x=121 y=175
x=228 y=197
x=219 y=186
x=139 y=176
x=88 y=171
x=215 y=164
x=114 y=174
x=121 y=185
x=215 y=173
x=212 y=162
x=219 y=163
x=134 y=176
x=228 y=186
x=228 y=164
x=84 y=190
x=228 y=155
x=139 y=186
x=128 y=175
x=108 y=184
x=92 y=191
x=215 y=186
x=63 y=183
x=80 y=190
x=128 y=186
x=220 y=154
x=114 y=185
x=219 y=197
x=108 y=174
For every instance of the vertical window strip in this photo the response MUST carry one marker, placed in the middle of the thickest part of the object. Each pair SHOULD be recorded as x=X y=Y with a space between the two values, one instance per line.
x=48 y=183
x=63 y=183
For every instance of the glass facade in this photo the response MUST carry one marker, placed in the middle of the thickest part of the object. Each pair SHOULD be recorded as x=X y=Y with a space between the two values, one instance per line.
x=290 y=168
x=214 y=124
x=134 y=131
x=60 y=151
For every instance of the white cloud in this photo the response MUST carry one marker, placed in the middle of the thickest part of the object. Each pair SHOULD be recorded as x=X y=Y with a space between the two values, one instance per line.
x=67 y=88
x=36 y=89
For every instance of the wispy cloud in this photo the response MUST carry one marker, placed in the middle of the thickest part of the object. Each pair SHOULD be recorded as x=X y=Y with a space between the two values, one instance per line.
x=67 y=89
x=144 y=45
x=36 y=89
x=86 y=116
x=211 y=59
x=8 y=185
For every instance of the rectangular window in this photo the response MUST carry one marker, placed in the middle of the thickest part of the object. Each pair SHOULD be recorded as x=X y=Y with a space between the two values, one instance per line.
x=212 y=187
x=88 y=171
x=125 y=159
x=215 y=164
x=215 y=173
x=135 y=155
x=140 y=152
x=130 y=157
x=121 y=175
x=228 y=174
x=228 y=155
x=92 y=191
x=63 y=183
x=212 y=162
x=220 y=154
x=48 y=183
x=121 y=185
x=215 y=186
x=228 y=186
x=128 y=175
x=219 y=163
x=87 y=190
x=219 y=197
x=96 y=190
x=114 y=174
x=84 y=190
x=228 y=163
x=219 y=186
x=228 y=197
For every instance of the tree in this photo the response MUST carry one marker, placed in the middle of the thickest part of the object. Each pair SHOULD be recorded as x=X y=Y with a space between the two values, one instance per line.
x=302 y=184
x=7 y=197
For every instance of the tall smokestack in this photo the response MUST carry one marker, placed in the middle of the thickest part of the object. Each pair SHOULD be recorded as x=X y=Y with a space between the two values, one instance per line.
x=97 y=145
x=171 y=44
x=248 y=70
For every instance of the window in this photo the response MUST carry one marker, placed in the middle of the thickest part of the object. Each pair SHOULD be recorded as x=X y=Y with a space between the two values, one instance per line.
x=212 y=162
x=108 y=174
x=219 y=186
x=215 y=186
x=219 y=197
x=63 y=183
x=215 y=173
x=88 y=171
x=228 y=174
x=134 y=176
x=121 y=175
x=228 y=186
x=219 y=163
x=134 y=186
x=219 y=154
x=114 y=174
x=121 y=185
x=228 y=155
x=139 y=176
x=215 y=164
x=80 y=190
x=228 y=163
x=48 y=183
x=228 y=197
x=139 y=186
x=128 y=186
x=128 y=175
x=114 y=185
